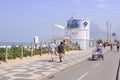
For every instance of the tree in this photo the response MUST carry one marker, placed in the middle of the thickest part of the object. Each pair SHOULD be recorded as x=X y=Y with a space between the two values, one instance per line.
x=100 y=41
x=114 y=36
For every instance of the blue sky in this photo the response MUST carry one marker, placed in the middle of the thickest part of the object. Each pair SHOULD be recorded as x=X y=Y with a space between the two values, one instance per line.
x=21 y=20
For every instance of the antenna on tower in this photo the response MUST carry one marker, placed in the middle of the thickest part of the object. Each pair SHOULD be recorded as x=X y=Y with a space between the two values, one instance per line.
x=72 y=16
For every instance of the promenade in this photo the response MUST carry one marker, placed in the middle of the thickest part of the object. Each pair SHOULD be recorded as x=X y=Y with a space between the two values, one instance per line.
x=41 y=69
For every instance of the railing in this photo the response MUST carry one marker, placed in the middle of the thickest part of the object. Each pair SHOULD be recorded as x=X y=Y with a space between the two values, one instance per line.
x=12 y=52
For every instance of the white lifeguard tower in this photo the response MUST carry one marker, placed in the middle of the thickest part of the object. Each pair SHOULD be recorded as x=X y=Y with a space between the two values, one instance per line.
x=78 y=31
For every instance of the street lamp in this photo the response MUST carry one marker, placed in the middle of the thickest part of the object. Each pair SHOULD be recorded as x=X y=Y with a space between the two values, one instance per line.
x=110 y=32
x=107 y=30
x=52 y=32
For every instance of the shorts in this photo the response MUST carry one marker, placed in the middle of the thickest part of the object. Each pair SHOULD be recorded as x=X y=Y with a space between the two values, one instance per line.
x=61 y=55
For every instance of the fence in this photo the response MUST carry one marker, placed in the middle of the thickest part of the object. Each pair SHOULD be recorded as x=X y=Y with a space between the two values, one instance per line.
x=12 y=52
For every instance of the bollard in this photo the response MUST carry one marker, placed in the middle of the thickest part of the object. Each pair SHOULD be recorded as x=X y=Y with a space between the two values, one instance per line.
x=21 y=52
x=41 y=50
x=31 y=50
x=6 y=54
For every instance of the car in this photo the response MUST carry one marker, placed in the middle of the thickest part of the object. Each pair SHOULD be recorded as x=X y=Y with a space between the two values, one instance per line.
x=106 y=44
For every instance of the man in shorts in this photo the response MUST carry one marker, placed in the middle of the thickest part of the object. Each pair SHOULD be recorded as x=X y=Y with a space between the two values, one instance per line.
x=52 y=47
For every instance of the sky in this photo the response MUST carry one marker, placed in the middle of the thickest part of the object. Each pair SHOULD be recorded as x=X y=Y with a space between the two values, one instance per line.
x=21 y=20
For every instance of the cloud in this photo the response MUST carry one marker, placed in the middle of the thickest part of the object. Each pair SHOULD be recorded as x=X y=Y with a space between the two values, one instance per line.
x=103 y=0
x=108 y=6
x=40 y=6
x=102 y=6
x=77 y=1
x=115 y=8
x=18 y=17
x=99 y=1
x=44 y=6
x=104 y=15
x=5 y=15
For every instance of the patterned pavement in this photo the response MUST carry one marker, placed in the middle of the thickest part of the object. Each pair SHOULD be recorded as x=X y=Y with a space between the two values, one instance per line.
x=40 y=69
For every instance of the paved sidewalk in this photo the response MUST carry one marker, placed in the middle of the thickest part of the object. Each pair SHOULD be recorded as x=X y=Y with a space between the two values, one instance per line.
x=40 y=69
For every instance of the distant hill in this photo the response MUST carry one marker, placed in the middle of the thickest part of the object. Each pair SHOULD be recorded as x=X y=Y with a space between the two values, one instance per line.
x=97 y=33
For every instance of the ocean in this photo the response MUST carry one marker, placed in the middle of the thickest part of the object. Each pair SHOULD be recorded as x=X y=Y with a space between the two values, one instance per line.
x=15 y=43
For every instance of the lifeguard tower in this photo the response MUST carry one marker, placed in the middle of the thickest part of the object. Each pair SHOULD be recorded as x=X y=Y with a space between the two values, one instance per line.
x=78 y=31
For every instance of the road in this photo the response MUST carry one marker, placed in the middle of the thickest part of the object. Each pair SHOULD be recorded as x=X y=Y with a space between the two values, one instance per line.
x=106 y=69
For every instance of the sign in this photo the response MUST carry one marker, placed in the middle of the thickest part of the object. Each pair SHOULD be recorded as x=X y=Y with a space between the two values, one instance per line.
x=85 y=24
x=73 y=23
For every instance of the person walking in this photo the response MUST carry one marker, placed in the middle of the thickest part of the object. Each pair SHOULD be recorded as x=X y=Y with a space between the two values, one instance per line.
x=101 y=51
x=60 y=51
x=118 y=44
x=64 y=47
x=52 y=47
x=111 y=46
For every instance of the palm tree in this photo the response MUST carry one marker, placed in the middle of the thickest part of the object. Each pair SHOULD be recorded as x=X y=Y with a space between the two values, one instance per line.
x=114 y=37
x=113 y=34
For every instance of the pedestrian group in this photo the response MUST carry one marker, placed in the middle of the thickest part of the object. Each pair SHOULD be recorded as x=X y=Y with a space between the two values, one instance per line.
x=61 y=48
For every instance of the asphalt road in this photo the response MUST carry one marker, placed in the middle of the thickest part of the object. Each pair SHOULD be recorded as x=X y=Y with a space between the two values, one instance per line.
x=107 y=69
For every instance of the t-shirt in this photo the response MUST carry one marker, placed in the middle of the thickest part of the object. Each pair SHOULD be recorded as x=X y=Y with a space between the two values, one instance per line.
x=52 y=47
x=60 y=49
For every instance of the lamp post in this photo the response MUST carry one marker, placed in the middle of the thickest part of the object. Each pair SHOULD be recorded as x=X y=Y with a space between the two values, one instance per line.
x=52 y=32
x=110 y=32
x=107 y=30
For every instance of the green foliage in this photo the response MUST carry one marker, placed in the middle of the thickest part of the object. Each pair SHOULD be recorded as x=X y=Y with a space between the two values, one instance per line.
x=2 y=54
x=12 y=55
x=68 y=48
x=2 y=50
x=100 y=41
x=15 y=51
x=26 y=53
x=46 y=50
x=36 y=52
